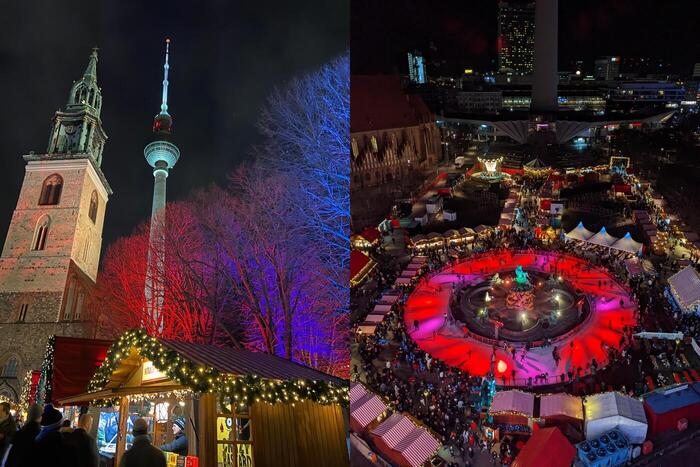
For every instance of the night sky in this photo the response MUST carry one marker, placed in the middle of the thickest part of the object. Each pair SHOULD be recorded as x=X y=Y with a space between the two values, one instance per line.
x=225 y=59
x=464 y=32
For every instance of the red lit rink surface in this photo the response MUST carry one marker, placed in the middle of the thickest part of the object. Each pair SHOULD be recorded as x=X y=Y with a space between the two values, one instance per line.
x=444 y=341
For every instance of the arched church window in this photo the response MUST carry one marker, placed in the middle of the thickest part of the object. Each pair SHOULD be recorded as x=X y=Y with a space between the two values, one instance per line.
x=40 y=233
x=355 y=148
x=375 y=146
x=91 y=96
x=92 y=213
x=11 y=367
x=70 y=299
x=51 y=190
x=79 y=306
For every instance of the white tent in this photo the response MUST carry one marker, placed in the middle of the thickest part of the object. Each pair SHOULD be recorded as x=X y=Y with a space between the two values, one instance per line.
x=627 y=244
x=513 y=401
x=602 y=238
x=561 y=404
x=609 y=410
x=685 y=288
x=579 y=233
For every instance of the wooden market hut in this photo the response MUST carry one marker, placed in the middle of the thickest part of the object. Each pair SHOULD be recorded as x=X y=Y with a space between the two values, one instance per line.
x=291 y=415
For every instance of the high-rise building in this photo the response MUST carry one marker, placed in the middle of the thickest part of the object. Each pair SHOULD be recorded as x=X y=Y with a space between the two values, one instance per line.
x=49 y=263
x=162 y=155
x=607 y=68
x=416 y=68
x=516 y=37
x=696 y=70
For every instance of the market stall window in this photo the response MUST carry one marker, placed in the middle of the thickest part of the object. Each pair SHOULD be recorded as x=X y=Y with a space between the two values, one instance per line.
x=107 y=432
x=234 y=436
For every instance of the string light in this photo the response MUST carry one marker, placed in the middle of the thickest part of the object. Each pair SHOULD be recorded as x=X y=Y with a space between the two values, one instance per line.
x=201 y=379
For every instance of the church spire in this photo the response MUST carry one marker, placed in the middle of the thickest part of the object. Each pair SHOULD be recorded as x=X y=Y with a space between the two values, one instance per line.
x=91 y=70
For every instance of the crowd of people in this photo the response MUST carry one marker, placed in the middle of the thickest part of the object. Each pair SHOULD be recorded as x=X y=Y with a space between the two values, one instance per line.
x=47 y=439
x=449 y=400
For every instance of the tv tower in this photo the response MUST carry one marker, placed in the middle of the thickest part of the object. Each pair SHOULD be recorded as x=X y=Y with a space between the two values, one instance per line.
x=162 y=155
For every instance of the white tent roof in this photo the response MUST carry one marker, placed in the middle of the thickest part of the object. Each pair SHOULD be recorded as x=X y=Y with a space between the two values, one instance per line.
x=627 y=244
x=561 y=404
x=580 y=233
x=609 y=410
x=602 y=238
x=685 y=287
x=516 y=401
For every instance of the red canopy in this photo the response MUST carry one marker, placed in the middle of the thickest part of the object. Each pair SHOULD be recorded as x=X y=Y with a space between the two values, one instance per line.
x=547 y=447
x=371 y=234
x=358 y=261
x=74 y=364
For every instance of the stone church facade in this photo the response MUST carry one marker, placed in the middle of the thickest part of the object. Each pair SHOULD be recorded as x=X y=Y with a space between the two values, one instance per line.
x=50 y=258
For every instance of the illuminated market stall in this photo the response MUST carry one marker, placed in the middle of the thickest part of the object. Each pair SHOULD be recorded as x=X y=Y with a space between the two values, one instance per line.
x=240 y=408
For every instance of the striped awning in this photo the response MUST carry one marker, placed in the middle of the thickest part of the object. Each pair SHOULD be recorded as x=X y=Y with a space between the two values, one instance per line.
x=366 y=409
x=417 y=447
x=381 y=309
x=394 y=429
x=356 y=392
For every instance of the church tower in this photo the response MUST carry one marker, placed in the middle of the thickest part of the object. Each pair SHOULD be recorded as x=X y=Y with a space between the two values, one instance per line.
x=51 y=254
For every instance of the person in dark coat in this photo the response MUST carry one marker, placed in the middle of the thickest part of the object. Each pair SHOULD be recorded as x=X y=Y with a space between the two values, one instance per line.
x=81 y=444
x=49 y=448
x=179 y=444
x=142 y=453
x=23 y=442
x=7 y=427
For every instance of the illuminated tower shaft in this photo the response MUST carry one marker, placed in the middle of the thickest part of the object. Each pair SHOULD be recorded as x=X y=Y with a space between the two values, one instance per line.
x=162 y=155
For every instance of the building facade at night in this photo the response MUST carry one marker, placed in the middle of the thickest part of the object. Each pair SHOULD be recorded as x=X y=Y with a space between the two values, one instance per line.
x=393 y=135
x=606 y=68
x=51 y=254
x=516 y=37
x=416 y=68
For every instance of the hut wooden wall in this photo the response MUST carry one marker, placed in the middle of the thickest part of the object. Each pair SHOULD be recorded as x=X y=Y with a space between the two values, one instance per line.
x=305 y=435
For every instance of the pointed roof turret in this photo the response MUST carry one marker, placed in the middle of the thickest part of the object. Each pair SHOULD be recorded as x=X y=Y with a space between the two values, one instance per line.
x=91 y=70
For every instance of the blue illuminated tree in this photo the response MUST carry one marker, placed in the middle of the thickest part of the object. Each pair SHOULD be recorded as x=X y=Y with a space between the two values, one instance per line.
x=307 y=134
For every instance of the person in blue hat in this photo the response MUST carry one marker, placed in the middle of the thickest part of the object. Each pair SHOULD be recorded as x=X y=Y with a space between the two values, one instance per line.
x=179 y=444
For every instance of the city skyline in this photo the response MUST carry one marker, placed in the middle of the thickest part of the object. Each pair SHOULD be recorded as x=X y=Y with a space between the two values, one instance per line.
x=461 y=35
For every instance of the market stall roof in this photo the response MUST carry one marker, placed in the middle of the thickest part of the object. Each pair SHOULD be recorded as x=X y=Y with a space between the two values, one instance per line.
x=417 y=447
x=609 y=410
x=627 y=244
x=389 y=299
x=394 y=429
x=367 y=328
x=371 y=234
x=244 y=362
x=374 y=318
x=668 y=399
x=201 y=367
x=634 y=266
x=419 y=259
x=685 y=287
x=547 y=447
x=360 y=266
x=413 y=267
x=481 y=228
x=602 y=238
x=381 y=309
x=580 y=233
x=366 y=409
x=356 y=392
x=71 y=364
x=513 y=401
x=552 y=405
x=451 y=233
